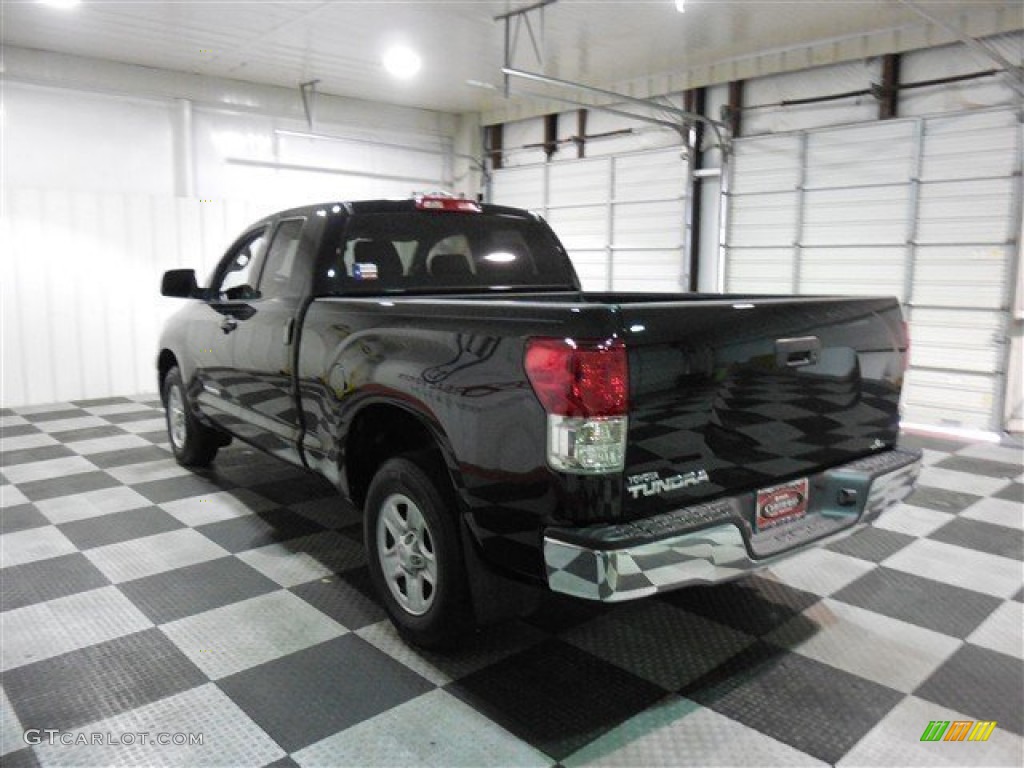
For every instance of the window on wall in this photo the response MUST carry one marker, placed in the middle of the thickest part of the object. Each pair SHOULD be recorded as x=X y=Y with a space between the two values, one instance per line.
x=280 y=279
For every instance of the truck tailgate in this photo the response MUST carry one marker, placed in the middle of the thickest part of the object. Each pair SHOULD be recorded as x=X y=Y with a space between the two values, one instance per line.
x=745 y=394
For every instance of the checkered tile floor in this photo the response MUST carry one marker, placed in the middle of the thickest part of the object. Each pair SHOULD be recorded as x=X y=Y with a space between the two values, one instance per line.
x=139 y=597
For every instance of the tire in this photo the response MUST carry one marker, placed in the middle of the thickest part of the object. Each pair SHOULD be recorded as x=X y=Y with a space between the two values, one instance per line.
x=193 y=443
x=414 y=553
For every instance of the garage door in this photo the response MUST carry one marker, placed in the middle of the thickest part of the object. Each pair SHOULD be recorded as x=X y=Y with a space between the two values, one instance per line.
x=622 y=218
x=924 y=209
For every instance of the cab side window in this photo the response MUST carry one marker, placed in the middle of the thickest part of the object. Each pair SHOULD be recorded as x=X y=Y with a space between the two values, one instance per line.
x=279 y=278
x=237 y=273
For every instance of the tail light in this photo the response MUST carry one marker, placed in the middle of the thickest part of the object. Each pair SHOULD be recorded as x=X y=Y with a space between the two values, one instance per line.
x=584 y=387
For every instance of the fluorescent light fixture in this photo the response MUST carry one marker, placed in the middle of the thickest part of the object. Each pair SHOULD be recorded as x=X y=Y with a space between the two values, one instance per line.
x=61 y=3
x=500 y=257
x=402 y=62
x=681 y=6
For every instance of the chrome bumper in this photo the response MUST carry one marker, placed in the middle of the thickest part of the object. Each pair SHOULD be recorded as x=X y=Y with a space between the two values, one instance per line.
x=715 y=542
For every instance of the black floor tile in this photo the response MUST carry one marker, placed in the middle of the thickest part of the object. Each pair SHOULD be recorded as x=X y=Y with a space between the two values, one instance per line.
x=558 y=613
x=95 y=402
x=20 y=518
x=183 y=487
x=48 y=579
x=109 y=459
x=982 y=537
x=67 y=485
x=166 y=597
x=87 y=433
x=159 y=436
x=348 y=598
x=67 y=413
x=18 y=430
x=284 y=762
x=119 y=526
x=983 y=467
x=99 y=681
x=818 y=709
x=754 y=605
x=941 y=499
x=6 y=412
x=296 y=489
x=873 y=544
x=308 y=695
x=556 y=697
x=931 y=604
x=22 y=758
x=1019 y=597
x=982 y=684
x=1012 y=492
x=42 y=453
x=124 y=418
x=258 y=529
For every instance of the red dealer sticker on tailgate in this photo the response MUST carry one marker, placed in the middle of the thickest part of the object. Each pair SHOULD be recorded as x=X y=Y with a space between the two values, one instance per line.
x=781 y=503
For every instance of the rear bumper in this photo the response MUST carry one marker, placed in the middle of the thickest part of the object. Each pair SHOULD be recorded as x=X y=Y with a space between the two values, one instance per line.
x=715 y=542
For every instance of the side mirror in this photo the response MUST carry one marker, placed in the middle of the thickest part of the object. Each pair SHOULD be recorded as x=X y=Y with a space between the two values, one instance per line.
x=180 y=284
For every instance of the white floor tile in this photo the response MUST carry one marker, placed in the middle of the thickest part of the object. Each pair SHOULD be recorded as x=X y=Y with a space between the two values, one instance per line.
x=967 y=568
x=305 y=559
x=896 y=741
x=867 y=644
x=241 y=635
x=961 y=482
x=229 y=736
x=146 y=425
x=434 y=730
x=134 y=474
x=32 y=545
x=1000 y=453
x=49 y=469
x=134 y=559
x=11 y=730
x=104 y=444
x=911 y=520
x=66 y=509
x=11 y=497
x=679 y=732
x=24 y=442
x=1003 y=631
x=214 y=507
x=66 y=425
x=820 y=571
x=45 y=630
x=998 y=512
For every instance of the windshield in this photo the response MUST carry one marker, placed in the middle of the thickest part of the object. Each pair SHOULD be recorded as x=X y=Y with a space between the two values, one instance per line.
x=421 y=251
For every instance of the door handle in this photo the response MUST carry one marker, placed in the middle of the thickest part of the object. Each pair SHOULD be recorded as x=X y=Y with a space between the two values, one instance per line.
x=229 y=325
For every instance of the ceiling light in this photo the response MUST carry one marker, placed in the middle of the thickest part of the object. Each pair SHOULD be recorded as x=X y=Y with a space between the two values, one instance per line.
x=402 y=62
x=681 y=6
x=61 y=3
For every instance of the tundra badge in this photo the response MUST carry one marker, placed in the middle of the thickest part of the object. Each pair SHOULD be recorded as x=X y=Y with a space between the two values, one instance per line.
x=651 y=483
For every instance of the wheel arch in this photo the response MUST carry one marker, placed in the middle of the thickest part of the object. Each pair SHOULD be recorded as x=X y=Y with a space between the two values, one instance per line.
x=381 y=431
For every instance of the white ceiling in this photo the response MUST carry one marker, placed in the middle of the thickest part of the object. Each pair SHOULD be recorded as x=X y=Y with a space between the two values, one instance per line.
x=640 y=46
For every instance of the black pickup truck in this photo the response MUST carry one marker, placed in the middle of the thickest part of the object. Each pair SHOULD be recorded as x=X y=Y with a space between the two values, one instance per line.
x=502 y=430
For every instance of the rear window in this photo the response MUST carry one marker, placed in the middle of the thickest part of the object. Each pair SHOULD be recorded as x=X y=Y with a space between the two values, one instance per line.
x=440 y=251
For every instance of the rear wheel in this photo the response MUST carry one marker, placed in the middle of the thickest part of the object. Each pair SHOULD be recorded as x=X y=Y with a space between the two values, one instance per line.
x=415 y=558
x=193 y=443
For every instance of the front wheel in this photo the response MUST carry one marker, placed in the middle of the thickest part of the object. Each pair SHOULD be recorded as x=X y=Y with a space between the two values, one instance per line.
x=193 y=443
x=415 y=558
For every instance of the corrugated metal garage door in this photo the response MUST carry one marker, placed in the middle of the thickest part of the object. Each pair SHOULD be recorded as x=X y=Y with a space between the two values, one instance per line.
x=622 y=218
x=925 y=209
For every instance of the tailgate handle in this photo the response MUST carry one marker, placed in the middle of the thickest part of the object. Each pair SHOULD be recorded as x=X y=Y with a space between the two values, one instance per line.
x=794 y=353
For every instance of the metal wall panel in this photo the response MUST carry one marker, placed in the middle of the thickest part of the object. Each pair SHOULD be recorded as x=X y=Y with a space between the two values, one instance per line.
x=82 y=310
x=924 y=209
x=519 y=187
x=622 y=218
